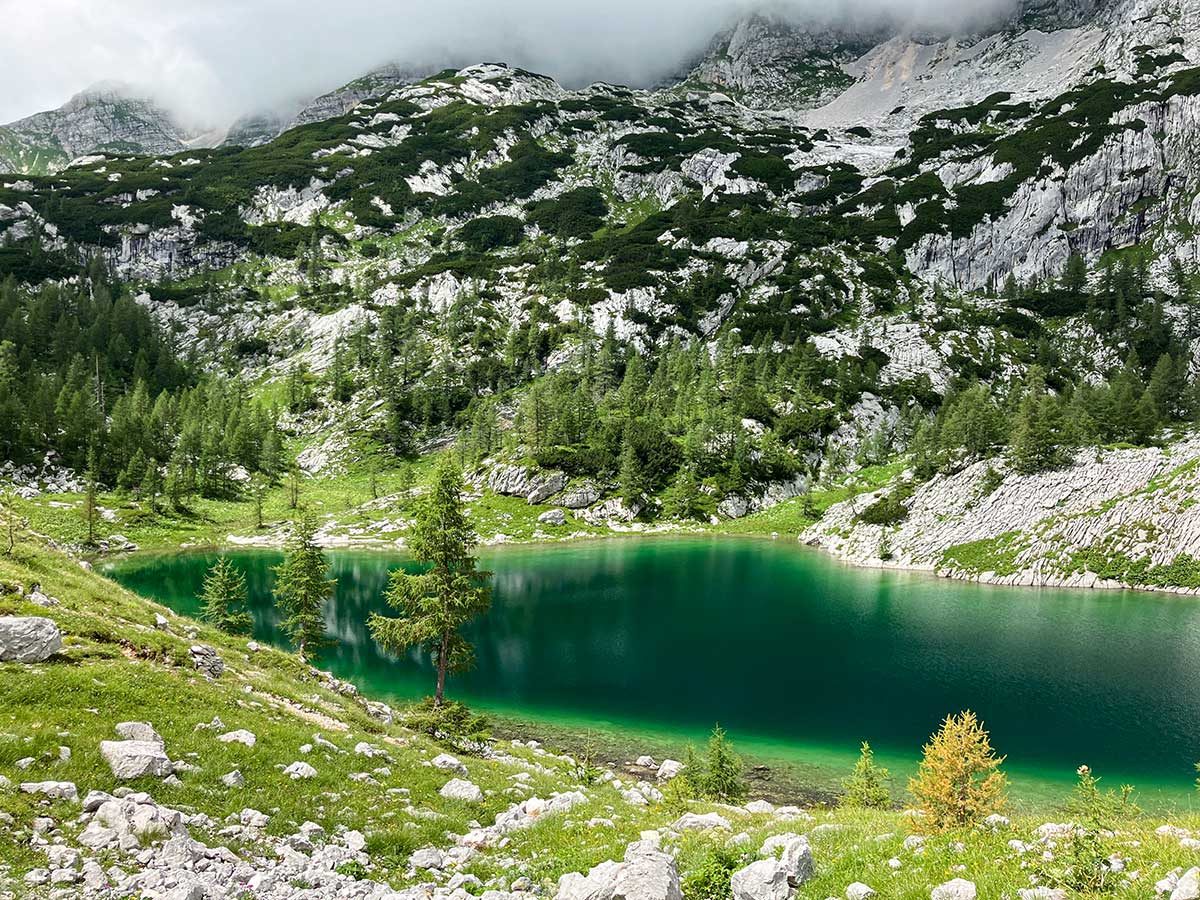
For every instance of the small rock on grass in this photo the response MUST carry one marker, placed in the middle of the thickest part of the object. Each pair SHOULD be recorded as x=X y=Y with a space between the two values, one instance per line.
x=955 y=889
x=460 y=789
x=300 y=770
x=241 y=736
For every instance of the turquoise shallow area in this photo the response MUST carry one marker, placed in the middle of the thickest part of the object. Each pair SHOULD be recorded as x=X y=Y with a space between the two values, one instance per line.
x=798 y=656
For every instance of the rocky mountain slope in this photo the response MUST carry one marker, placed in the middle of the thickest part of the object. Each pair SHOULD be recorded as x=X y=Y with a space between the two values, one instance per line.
x=251 y=131
x=104 y=119
x=768 y=62
x=111 y=118
x=822 y=289
x=1113 y=518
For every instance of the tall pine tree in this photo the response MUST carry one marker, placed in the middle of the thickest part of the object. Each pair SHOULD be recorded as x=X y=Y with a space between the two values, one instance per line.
x=301 y=589
x=434 y=604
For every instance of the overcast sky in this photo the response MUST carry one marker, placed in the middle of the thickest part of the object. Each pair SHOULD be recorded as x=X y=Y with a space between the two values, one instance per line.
x=212 y=60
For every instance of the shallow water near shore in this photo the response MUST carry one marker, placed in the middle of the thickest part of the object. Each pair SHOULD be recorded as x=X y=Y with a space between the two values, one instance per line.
x=800 y=657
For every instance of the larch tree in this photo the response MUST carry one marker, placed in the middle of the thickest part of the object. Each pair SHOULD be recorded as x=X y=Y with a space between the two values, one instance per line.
x=301 y=589
x=449 y=591
x=959 y=781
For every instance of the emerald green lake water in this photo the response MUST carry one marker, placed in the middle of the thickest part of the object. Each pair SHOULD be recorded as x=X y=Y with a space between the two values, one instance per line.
x=798 y=656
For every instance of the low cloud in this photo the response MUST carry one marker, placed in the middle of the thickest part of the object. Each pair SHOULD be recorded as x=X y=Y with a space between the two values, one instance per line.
x=212 y=60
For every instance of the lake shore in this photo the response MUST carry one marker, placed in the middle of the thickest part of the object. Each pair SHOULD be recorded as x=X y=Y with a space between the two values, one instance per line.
x=623 y=685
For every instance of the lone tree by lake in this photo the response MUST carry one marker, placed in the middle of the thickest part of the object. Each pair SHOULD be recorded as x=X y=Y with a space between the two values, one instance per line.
x=959 y=781
x=301 y=589
x=449 y=592
x=867 y=786
x=224 y=598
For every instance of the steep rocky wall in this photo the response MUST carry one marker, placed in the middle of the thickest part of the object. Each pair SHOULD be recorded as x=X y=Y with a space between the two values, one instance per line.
x=1140 y=184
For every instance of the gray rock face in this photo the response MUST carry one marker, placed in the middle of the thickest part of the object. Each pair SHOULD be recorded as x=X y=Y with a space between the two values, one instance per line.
x=765 y=879
x=768 y=62
x=93 y=121
x=136 y=759
x=374 y=84
x=581 y=495
x=733 y=507
x=1055 y=515
x=645 y=874
x=554 y=517
x=518 y=481
x=28 y=639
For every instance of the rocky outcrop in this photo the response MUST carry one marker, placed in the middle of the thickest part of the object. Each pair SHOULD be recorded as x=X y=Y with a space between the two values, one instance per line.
x=646 y=873
x=1116 y=511
x=106 y=117
x=136 y=759
x=28 y=639
x=520 y=481
x=769 y=62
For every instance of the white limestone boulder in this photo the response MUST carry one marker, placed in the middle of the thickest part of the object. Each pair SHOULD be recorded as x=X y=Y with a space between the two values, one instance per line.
x=28 y=639
x=136 y=759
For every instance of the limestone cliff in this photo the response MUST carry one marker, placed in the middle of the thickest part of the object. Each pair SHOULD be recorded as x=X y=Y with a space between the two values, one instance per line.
x=1111 y=518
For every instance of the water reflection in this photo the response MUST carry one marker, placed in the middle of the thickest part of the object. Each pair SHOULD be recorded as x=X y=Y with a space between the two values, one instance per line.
x=777 y=641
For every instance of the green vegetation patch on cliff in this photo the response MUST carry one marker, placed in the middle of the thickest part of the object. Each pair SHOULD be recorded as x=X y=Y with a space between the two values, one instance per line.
x=997 y=555
x=1182 y=572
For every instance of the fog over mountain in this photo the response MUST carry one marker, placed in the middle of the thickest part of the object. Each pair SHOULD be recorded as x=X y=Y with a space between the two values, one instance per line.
x=213 y=61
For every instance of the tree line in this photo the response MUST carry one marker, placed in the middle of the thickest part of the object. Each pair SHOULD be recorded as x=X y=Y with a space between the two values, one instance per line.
x=88 y=376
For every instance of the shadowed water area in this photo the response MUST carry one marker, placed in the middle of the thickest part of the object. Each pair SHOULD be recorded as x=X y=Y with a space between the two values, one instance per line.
x=801 y=658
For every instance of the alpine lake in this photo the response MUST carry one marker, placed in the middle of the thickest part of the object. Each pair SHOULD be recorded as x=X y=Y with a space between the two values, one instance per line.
x=797 y=656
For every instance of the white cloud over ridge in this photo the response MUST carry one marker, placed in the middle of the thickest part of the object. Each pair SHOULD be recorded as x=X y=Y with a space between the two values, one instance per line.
x=211 y=60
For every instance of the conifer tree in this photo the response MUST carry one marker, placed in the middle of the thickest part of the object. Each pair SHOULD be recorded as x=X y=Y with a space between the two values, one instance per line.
x=959 y=781
x=632 y=477
x=224 y=598
x=435 y=604
x=151 y=485
x=90 y=510
x=867 y=786
x=1036 y=443
x=718 y=776
x=302 y=588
